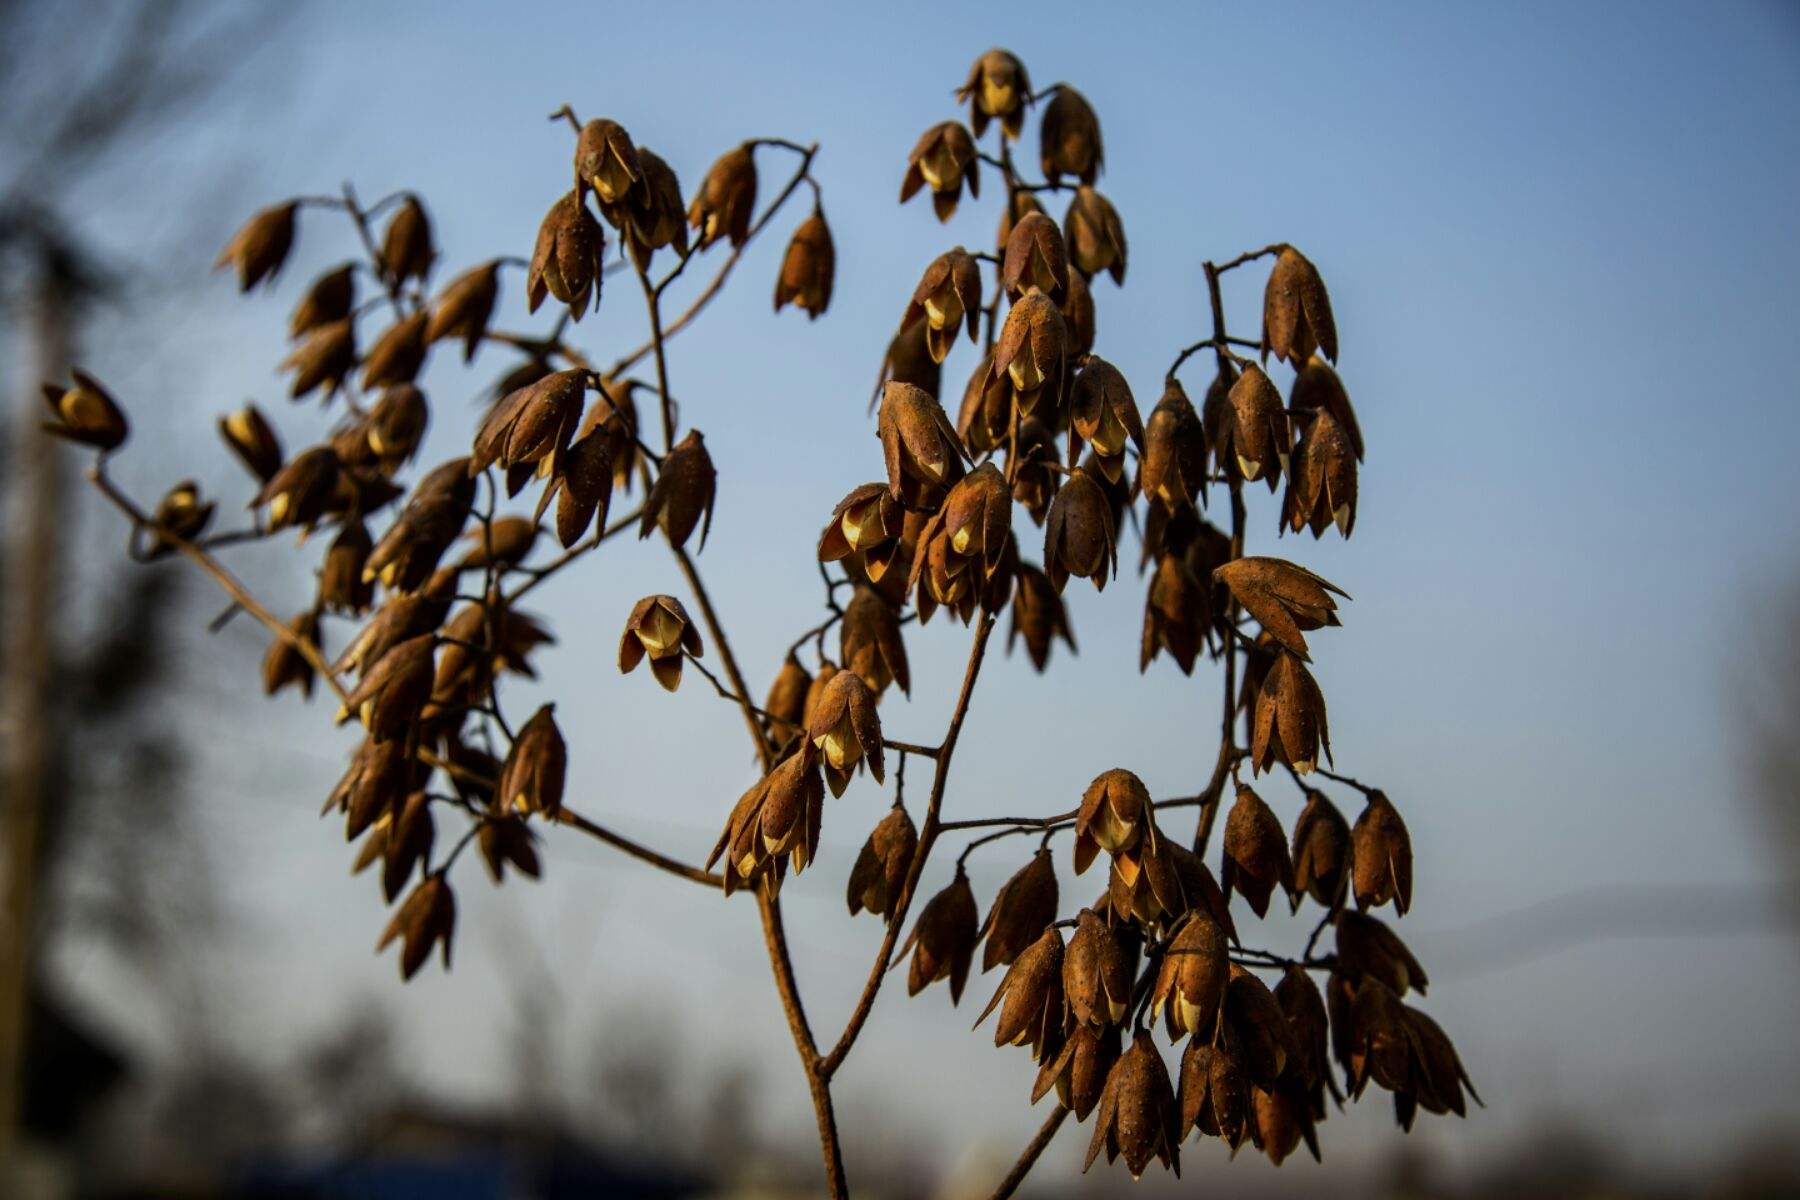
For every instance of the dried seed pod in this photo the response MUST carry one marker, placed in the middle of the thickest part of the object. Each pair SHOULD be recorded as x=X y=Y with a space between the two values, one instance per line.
x=924 y=457
x=249 y=436
x=659 y=627
x=396 y=425
x=1143 y=884
x=943 y=939
x=1097 y=972
x=846 y=730
x=1030 y=998
x=1378 y=1039
x=1296 y=311
x=380 y=777
x=807 y=268
x=944 y=159
x=1438 y=1075
x=948 y=298
x=1214 y=1096
x=1258 y=1027
x=1190 y=984
x=726 y=200
x=1303 y=1006
x=1321 y=487
x=1031 y=355
x=427 y=917
x=865 y=526
x=682 y=496
x=1035 y=257
x=1321 y=852
x=406 y=249
x=566 y=261
x=1254 y=440
x=1368 y=948
x=984 y=422
x=465 y=307
x=606 y=161
x=1069 y=137
x=325 y=359
x=397 y=354
x=909 y=360
x=390 y=697
x=1173 y=470
x=583 y=486
x=1279 y=1121
x=614 y=415
x=260 y=247
x=284 y=664
x=1177 y=615
x=881 y=866
x=532 y=426
x=1116 y=813
x=1289 y=725
x=1095 y=235
x=1037 y=476
x=1284 y=598
x=1038 y=616
x=531 y=779
x=870 y=641
x=1317 y=388
x=342 y=586
x=978 y=516
x=404 y=616
x=405 y=843
x=997 y=87
x=1077 y=309
x=1199 y=890
x=1023 y=908
x=1079 y=1070
x=653 y=213
x=1138 y=1117
x=1078 y=534
x=411 y=548
x=1256 y=853
x=180 y=516
x=1383 y=856
x=1102 y=411
x=1019 y=203
x=478 y=644
x=776 y=822
x=507 y=841
x=786 y=702
x=331 y=297
x=298 y=493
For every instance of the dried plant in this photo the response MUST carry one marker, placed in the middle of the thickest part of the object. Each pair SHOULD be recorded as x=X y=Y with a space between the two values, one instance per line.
x=422 y=633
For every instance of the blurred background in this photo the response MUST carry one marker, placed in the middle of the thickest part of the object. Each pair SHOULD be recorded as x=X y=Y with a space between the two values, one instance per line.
x=1561 y=248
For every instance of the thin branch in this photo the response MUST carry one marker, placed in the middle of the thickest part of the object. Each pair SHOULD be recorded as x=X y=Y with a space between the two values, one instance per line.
x=1028 y=1157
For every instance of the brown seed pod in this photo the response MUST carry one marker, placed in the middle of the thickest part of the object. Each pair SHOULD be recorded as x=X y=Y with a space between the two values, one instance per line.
x=984 y=422
x=661 y=628
x=396 y=425
x=1254 y=440
x=1296 y=311
x=682 y=496
x=1317 y=388
x=652 y=216
x=1079 y=1070
x=1199 y=890
x=406 y=249
x=1280 y=1120
x=1035 y=257
x=1102 y=411
x=583 y=486
x=1284 y=598
x=1078 y=534
x=606 y=161
x=465 y=307
x=1367 y=948
x=1077 y=309
x=1303 y=1006
x=1378 y=1040
x=807 y=268
x=1038 y=616
x=1097 y=972
x=1258 y=1027
x=1173 y=471
x=1138 y=1118
x=325 y=359
x=409 y=551
x=1030 y=998
x=1190 y=984
x=566 y=261
x=775 y=824
x=1115 y=815
x=260 y=247
x=397 y=354
x=330 y=297
x=909 y=360
x=1095 y=235
x=390 y=697
x=1019 y=203
x=427 y=917
x=405 y=615
x=978 y=516
x=531 y=779
x=1069 y=137
x=248 y=435
x=298 y=493
x=1289 y=723
x=846 y=730
x=1321 y=852
x=1383 y=857
x=944 y=159
x=726 y=200
x=1177 y=615
x=924 y=457
x=1023 y=908
x=283 y=664
x=865 y=526
x=943 y=939
x=180 y=516
x=997 y=87
x=786 y=702
x=1438 y=1077
x=532 y=426
x=1214 y=1097
x=405 y=844
x=1031 y=355
x=881 y=866
x=948 y=298
x=342 y=586
x=1321 y=487
x=1256 y=853
x=613 y=414
x=504 y=842
x=870 y=641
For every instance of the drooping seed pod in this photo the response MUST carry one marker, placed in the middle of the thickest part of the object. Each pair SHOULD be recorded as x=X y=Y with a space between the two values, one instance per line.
x=807 y=268
x=1284 y=598
x=284 y=664
x=479 y=642
x=1214 y=1097
x=397 y=354
x=1303 y=1006
x=1115 y=814
x=1079 y=1070
x=1190 y=984
x=942 y=941
x=248 y=435
x=864 y=527
x=1258 y=1027
x=180 y=516
x=923 y=456
x=997 y=87
x=660 y=628
x=1317 y=388
x=944 y=159
x=606 y=161
x=298 y=493
x=395 y=425
x=1143 y=884
x=881 y=866
x=1296 y=311
x=389 y=698
x=870 y=641
x=1102 y=411
x=1031 y=355
x=1377 y=1039
x=1177 y=615
x=1138 y=1118
x=1077 y=309
x=1256 y=853
x=403 y=616
x=1383 y=856
x=948 y=298
x=409 y=551
x=978 y=516
x=1280 y=1120
x=1037 y=476
x=984 y=422
x=1023 y=908
x=532 y=426
x=1200 y=892
x=614 y=414
x=465 y=307
x=786 y=702
x=846 y=730
x=1321 y=487
x=531 y=779
x=583 y=486
x=260 y=247
x=1173 y=470
x=1095 y=235
x=325 y=359
x=1069 y=137
x=1019 y=203
x=1367 y=947
x=1035 y=257
x=331 y=297
x=1438 y=1077
x=380 y=777
x=566 y=260
x=342 y=586
x=504 y=842
x=908 y=359
x=406 y=249
x=1321 y=852
x=426 y=918
x=1038 y=616
x=653 y=213
x=682 y=496
x=726 y=200
x=1289 y=725
x=1078 y=534
x=1096 y=973
x=1030 y=998
x=405 y=841
x=774 y=825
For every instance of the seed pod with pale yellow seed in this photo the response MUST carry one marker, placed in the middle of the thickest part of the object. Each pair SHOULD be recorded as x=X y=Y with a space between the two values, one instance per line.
x=870 y=642
x=1030 y=998
x=1256 y=853
x=406 y=249
x=1321 y=852
x=1038 y=616
x=1115 y=814
x=1382 y=852
x=1078 y=534
x=1254 y=439
x=865 y=526
x=1079 y=1070
x=1019 y=203
x=682 y=496
x=1289 y=724
x=260 y=247
x=250 y=437
x=298 y=493
x=997 y=88
x=978 y=516
x=1172 y=472
x=465 y=307
x=390 y=697
x=807 y=268
x=531 y=779
x=944 y=159
x=947 y=298
x=1095 y=235
x=396 y=425
x=774 y=825
x=880 y=871
x=1284 y=598
x=1035 y=256
x=1138 y=1118
x=325 y=359
x=426 y=918
x=1190 y=984
x=180 y=515
x=923 y=455
x=1103 y=412
x=331 y=297
x=942 y=941
x=1023 y=908
x=1321 y=487
x=726 y=201
x=342 y=586
x=566 y=260
x=1069 y=137
x=605 y=161
x=1214 y=1096
x=531 y=426
x=846 y=730
x=659 y=627
x=1297 y=312
x=653 y=216
x=1096 y=972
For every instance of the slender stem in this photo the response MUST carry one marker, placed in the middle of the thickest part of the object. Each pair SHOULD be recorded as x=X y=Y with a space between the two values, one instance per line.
x=618 y=841
x=1028 y=1157
x=653 y=302
x=716 y=631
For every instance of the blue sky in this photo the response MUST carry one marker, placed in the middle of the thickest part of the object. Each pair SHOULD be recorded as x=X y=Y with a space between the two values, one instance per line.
x=1560 y=247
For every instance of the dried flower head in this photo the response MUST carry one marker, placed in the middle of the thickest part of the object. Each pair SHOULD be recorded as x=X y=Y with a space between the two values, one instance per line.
x=807 y=268
x=1030 y=998
x=261 y=246
x=426 y=918
x=532 y=426
x=606 y=161
x=331 y=297
x=1031 y=355
x=1317 y=388
x=298 y=493
x=1115 y=814
x=465 y=307
x=249 y=436
x=1035 y=256
x=1382 y=853
x=1322 y=480
x=846 y=730
x=1078 y=534
x=659 y=627
x=583 y=486
x=726 y=201
x=1023 y=908
x=180 y=516
x=1285 y=599
x=881 y=866
x=1321 y=852
x=1069 y=137
x=922 y=452
x=1079 y=1070
x=948 y=298
x=1296 y=311
x=865 y=526
x=406 y=249
x=1254 y=440
x=1095 y=235
x=1173 y=471
x=1368 y=948
x=870 y=641
x=324 y=360
x=1190 y=984
x=682 y=496
x=390 y=697
x=1289 y=723
x=1256 y=853
x=1038 y=616
x=944 y=160
x=776 y=822
x=1102 y=411
x=1097 y=972
x=943 y=939
x=1138 y=1117
x=1214 y=1096
x=997 y=87
x=531 y=779
x=653 y=215
x=566 y=261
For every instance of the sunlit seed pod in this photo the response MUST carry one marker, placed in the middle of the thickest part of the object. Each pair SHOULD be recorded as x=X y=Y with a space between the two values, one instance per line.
x=726 y=201
x=1069 y=137
x=1256 y=853
x=998 y=88
x=1297 y=311
x=1137 y=1117
x=406 y=248
x=807 y=268
x=258 y=249
x=943 y=160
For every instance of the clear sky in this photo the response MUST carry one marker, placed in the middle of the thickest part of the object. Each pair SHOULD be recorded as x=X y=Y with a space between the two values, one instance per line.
x=1560 y=245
